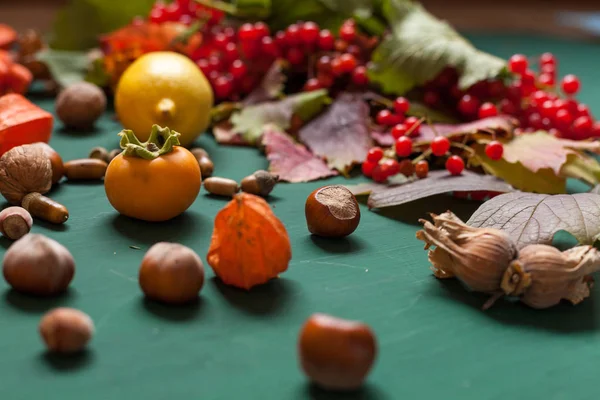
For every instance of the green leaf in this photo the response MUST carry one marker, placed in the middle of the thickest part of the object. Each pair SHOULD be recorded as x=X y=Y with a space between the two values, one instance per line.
x=421 y=46
x=78 y=24
x=251 y=120
x=66 y=67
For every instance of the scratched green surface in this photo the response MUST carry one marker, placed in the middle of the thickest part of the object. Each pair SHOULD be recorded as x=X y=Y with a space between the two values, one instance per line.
x=434 y=341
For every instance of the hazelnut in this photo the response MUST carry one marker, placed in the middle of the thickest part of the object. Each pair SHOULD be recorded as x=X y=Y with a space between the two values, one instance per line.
x=99 y=153
x=15 y=222
x=66 y=330
x=171 y=273
x=38 y=265
x=260 y=183
x=206 y=165
x=56 y=162
x=80 y=105
x=332 y=211
x=336 y=354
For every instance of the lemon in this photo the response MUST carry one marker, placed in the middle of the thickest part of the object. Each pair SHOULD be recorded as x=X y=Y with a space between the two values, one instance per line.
x=167 y=89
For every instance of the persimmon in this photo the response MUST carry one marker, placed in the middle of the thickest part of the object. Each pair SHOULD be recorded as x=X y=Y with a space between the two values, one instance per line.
x=250 y=245
x=149 y=182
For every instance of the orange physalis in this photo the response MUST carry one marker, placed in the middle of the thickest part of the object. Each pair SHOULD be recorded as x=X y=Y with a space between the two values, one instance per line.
x=250 y=245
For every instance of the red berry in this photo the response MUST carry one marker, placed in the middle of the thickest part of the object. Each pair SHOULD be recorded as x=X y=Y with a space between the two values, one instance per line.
x=215 y=62
x=596 y=130
x=238 y=69
x=548 y=109
x=157 y=16
x=354 y=50
x=247 y=33
x=309 y=33
x=440 y=146
x=387 y=118
x=547 y=80
x=295 y=56
x=326 y=40
x=261 y=30
x=375 y=154
x=347 y=62
x=251 y=49
x=220 y=40
x=431 y=98
x=281 y=40
x=360 y=76
x=422 y=169
x=528 y=78
x=348 y=32
x=561 y=104
x=547 y=59
x=223 y=87
x=494 y=150
x=582 y=127
x=414 y=126
x=540 y=96
x=399 y=131
x=173 y=12
x=570 y=84
x=404 y=146
x=230 y=53
x=325 y=80
x=468 y=105
x=455 y=165
x=204 y=66
x=401 y=105
x=573 y=106
x=292 y=35
x=487 y=110
x=535 y=121
x=390 y=167
x=548 y=69
x=269 y=47
x=367 y=168
x=517 y=64
x=378 y=174
x=583 y=110
x=563 y=118
x=508 y=107
x=336 y=67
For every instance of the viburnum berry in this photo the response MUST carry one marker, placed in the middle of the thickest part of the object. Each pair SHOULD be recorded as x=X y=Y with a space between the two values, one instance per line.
x=596 y=130
x=535 y=121
x=401 y=105
x=348 y=31
x=367 y=168
x=440 y=146
x=508 y=107
x=399 y=131
x=570 y=84
x=295 y=56
x=583 y=110
x=230 y=53
x=309 y=33
x=563 y=118
x=355 y=50
x=518 y=63
x=390 y=167
x=347 y=63
x=404 y=146
x=379 y=174
x=487 y=110
x=494 y=150
x=548 y=109
x=269 y=47
x=431 y=98
x=388 y=118
x=292 y=35
x=414 y=126
x=261 y=30
x=582 y=128
x=422 y=169
x=528 y=78
x=281 y=40
x=216 y=63
x=173 y=12
x=539 y=96
x=311 y=85
x=326 y=40
x=325 y=80
x=547 y=80
x=468 y=105
x=238 y=69
x=360 y=76
x=547 y=59
x=248 y=33
x=455 y=165
x=375 y=154
x=223 y=87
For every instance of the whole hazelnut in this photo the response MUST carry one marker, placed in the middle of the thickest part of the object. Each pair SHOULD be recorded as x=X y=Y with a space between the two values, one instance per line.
x=80 y=105
x=15 y=222
x=38 y=265
x=66 y=330
x=171 y=273
x=336 y=354
x=332 y=211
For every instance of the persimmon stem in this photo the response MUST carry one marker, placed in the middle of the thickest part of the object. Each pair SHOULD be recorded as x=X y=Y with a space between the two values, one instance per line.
x=152 y=148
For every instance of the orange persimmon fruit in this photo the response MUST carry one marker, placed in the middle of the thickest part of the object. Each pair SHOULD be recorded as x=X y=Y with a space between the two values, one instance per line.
x=149 y=182
x=250 y=245
x=22 y=122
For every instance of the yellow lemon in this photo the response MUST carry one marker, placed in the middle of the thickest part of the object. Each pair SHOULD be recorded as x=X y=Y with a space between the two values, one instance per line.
x=167 y=89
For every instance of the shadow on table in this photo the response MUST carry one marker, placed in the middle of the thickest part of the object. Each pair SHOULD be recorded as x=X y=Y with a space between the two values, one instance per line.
x=410 y=213
x=5 y=242
x=563 y=318
x=367 y=392
x=264 y=299
x=68 y=362
x=78 y=133
x=182 y=313
x=142 y=232
x=350 y=244
x=35 y=304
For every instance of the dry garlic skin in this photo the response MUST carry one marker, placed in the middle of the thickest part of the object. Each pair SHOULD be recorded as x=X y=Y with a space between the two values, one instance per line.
x=66 y=330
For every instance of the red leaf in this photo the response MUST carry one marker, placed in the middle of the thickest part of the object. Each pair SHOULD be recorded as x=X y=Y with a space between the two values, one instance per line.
x=340 y=134
x=292 y=161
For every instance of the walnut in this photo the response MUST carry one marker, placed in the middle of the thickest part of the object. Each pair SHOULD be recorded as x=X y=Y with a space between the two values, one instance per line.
x=23 y=170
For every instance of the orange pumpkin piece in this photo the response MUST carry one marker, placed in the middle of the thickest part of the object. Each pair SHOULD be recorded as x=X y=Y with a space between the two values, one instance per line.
x=250 y=245
x=149 y=182
x=22 y=122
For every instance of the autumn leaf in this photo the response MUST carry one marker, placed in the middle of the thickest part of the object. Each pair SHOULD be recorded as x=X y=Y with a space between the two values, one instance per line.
x=340 y=134
x=251 y=120
x=421 y=46
x=437 y=182
x=224 y=134
x=270 y=88
x=535 y=218
x=487 y=128
x=291 y=160
x=66 y=67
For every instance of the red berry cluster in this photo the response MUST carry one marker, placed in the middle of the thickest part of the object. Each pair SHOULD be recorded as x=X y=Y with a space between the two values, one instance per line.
x=185 y=12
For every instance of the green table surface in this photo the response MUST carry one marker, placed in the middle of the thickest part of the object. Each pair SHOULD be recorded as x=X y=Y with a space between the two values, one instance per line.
x=434 y=341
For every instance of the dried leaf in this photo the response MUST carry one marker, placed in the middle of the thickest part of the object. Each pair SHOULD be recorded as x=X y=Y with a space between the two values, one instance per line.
x=270 y=88
x=249 y=245
x=292 y=161
x=224 y=134
x=437 y=182
x=498 y=127
x=421 y=46
x=251 y=120
x=341 y=134
x=535 y=218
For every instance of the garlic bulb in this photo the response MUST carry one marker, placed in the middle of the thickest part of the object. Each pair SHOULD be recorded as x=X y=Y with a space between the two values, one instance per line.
x=478 y=257
x=542 y=276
